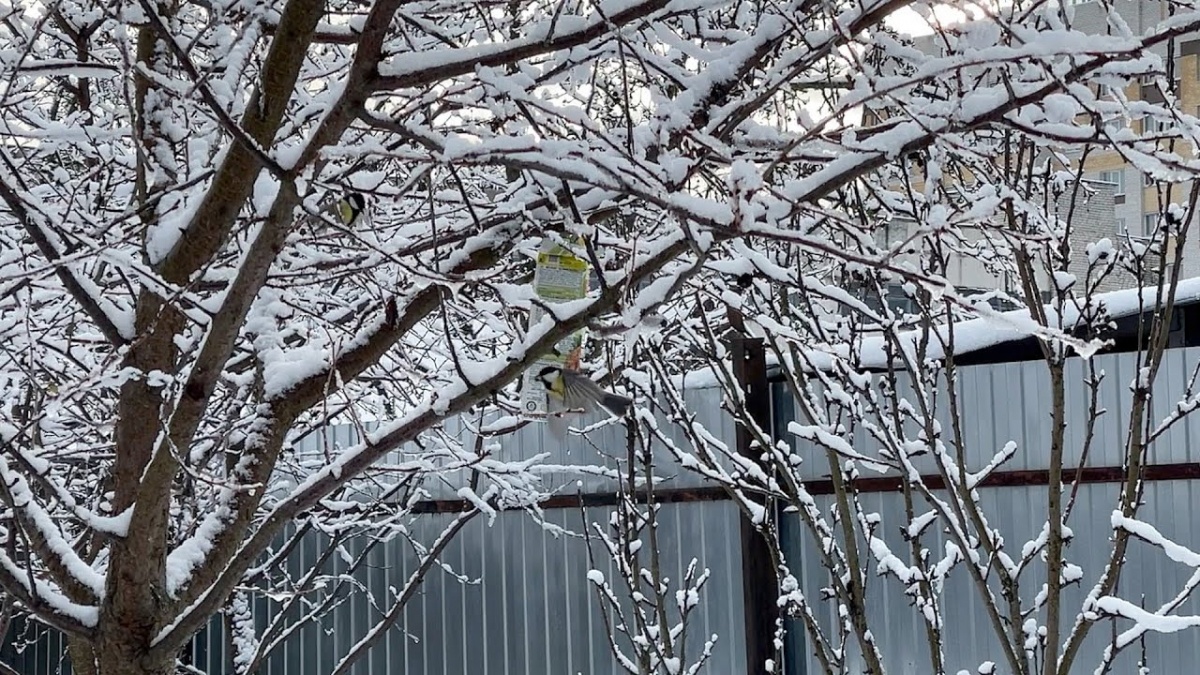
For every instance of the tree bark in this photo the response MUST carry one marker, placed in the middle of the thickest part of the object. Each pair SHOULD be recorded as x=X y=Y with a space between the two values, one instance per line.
x=1054 y=543
x=119 y=659
x=82 y=656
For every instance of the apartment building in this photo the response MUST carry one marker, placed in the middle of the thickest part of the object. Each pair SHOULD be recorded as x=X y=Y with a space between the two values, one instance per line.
x=1138 y=197
x=1128 y=204
x=1091 y=217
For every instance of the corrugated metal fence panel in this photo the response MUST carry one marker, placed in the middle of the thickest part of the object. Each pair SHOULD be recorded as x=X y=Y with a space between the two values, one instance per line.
x=527 y=607
x=42 y=653
x=1149 y=578
x=603 y=446
x=606 y=446
x=1011 y=401
x=530 y=608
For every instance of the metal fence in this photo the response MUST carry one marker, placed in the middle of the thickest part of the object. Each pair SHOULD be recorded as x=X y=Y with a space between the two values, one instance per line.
x=1011 y=401
x=1149 y=578
x=603 y=446
x=528 y=607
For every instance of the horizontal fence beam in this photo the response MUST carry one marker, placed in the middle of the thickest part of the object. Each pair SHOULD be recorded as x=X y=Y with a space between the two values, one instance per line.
x=663 y=496
x=1023 y=477
x=1026 y=477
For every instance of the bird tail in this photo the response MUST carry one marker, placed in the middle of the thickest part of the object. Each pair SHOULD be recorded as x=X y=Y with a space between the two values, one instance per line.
x=616 y=404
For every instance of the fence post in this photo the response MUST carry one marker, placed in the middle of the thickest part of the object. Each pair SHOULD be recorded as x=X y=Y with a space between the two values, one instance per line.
x=760 y=582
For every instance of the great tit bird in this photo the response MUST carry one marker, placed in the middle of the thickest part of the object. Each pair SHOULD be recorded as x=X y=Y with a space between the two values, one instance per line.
x=574 y=390
x=351 y=207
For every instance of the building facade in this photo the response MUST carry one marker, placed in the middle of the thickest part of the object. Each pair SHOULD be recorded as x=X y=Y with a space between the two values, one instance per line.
x=1128 y=204
x=1139 y=198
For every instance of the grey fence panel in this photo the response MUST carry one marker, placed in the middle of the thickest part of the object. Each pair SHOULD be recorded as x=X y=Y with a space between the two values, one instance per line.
x=604 y=445
x=526 y=607
x=1006 y=402
x=1012 y=402
x=1149 y=578
x=41 y=650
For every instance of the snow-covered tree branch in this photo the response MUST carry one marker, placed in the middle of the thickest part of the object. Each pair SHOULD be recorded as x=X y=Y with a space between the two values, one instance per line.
x=185 y=295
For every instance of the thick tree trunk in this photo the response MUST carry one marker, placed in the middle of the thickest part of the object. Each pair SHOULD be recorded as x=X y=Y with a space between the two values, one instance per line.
x=82 y=657
x=131 y=613
x=118 y=655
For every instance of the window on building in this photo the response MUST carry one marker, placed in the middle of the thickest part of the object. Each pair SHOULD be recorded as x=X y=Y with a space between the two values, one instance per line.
x=892 y=296
x=1147 y=180
x=899 y=301
x=1149 y=223
x=1120 y=226
x=891 y=232
x=1117 y=179
x=1151 y=125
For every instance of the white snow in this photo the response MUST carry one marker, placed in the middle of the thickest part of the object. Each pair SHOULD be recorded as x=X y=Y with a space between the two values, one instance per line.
x=1145 y=531
x=88 y=615
x=469 y=495
x=1148 y=620
x=978 y=333
x=191 y=552
x=56 y=544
